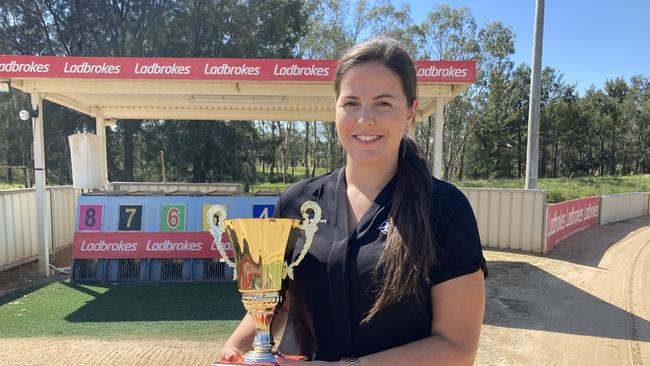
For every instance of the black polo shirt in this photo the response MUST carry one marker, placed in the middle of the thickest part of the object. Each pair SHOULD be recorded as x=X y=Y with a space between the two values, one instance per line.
x=332 y=290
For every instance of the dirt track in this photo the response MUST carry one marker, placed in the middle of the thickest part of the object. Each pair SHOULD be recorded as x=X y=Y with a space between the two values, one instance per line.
x=588 y=303
x=73 y=352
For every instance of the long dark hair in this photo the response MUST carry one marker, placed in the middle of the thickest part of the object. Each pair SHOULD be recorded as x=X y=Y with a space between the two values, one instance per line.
x=410 y=249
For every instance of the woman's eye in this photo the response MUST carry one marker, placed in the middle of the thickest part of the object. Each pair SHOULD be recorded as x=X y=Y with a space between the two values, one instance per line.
x=384 y=104
x=350 y=104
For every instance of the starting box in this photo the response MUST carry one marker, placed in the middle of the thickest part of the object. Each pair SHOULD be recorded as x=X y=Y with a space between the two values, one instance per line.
x=155 y=236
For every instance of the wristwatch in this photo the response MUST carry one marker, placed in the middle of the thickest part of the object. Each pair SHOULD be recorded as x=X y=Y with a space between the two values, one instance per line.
x=351 y=361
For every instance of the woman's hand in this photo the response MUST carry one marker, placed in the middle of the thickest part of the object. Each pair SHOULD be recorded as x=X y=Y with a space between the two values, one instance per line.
x=285 y=361
x=229 y=353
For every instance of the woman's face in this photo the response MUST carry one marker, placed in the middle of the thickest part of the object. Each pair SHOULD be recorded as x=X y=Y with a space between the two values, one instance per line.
x=372 y=114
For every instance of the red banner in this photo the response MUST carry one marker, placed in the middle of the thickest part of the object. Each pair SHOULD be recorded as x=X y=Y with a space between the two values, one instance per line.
x=567 y=218
x=121 y=245
x=208 y=69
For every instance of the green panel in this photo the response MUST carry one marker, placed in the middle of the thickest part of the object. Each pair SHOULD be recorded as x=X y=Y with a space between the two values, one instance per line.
x=173 y=218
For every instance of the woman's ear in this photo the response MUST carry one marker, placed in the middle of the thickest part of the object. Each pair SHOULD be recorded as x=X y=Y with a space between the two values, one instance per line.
x=413 y=110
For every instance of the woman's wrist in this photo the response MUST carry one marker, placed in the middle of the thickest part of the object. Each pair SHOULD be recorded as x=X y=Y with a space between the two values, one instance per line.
x=232 y=346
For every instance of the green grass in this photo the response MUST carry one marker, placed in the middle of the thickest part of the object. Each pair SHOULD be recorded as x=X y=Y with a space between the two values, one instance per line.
x=186 y=311
x=11 y=186
x=562 y=189
x=269 y=187
x=557 y=189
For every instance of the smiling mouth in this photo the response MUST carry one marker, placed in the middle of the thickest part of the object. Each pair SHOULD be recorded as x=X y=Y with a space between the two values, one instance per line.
x=367 y=138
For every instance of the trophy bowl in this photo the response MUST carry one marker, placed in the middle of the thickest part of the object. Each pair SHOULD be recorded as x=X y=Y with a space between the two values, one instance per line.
x=262 y=249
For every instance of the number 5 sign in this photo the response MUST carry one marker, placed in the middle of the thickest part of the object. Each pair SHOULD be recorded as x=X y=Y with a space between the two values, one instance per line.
x=173 y=218
x=90 y=218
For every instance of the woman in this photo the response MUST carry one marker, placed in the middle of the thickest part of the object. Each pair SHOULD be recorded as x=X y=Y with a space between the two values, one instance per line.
x=395 y=272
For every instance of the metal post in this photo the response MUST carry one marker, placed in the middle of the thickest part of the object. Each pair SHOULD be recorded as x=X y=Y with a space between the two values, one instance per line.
x=162 y=165
x=42 y=222
x=533 y=108
x=28 y=182
x=100 y=128
x=437 y=148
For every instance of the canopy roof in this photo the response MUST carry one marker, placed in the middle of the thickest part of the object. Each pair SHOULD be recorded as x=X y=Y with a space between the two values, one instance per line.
x=207 y=88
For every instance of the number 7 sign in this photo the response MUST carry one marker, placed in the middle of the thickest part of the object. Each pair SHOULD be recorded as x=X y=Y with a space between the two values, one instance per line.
x=130 y=218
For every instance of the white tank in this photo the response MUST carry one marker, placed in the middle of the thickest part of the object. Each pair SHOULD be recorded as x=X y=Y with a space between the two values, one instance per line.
x=88 y=162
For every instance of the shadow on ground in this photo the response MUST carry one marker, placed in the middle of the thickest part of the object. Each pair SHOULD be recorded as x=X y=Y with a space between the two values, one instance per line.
x=520 y=295
x=123 y=302
x=24 y=279
x=588 y=247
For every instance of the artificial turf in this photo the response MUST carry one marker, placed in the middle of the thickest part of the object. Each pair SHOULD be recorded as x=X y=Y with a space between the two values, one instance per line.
x=188 y=311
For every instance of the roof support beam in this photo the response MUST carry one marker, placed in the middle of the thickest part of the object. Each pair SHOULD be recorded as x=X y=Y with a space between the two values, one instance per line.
x=42 y=219
x=181 y=87
x=69 y=103
x=430 y=108
x=437 y=150
x=217 y=114
x=100 y=130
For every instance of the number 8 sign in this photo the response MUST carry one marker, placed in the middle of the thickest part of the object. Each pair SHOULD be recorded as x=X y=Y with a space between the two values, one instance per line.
x=90 y=218
x=173 y=218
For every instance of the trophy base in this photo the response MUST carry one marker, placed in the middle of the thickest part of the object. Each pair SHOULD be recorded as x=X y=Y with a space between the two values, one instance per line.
x=244 y=363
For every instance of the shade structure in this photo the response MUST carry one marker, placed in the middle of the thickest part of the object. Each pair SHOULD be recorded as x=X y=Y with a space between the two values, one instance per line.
x=112 y=88
x=208 y=89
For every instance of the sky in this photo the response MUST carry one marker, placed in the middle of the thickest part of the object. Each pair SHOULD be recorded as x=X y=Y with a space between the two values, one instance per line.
x=589 y=41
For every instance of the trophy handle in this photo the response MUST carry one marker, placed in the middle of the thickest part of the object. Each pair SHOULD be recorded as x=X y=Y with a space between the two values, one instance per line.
x=309 y=226
x=217 y=231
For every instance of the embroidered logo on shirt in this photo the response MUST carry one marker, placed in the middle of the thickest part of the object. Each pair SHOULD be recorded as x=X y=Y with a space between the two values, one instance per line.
x=384 y=227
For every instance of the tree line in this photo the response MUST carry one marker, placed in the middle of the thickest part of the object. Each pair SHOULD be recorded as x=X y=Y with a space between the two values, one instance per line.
x=606 y=131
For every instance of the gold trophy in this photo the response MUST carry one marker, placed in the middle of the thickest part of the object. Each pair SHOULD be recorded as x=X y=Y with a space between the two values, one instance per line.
x=260 y=248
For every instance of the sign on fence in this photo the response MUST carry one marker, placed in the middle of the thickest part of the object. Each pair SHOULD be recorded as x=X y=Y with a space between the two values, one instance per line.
x=567 y=218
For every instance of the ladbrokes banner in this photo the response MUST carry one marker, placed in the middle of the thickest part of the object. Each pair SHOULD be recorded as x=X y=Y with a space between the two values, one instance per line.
x=208 y=69
x=567 y=218
x=121 y=245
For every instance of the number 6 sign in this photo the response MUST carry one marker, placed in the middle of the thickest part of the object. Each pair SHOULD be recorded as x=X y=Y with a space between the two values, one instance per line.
x=90 y=218
x=173 y=218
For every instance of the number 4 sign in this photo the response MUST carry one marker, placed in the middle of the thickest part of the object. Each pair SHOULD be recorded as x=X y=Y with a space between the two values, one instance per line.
x=173 y=218
x=263 y=211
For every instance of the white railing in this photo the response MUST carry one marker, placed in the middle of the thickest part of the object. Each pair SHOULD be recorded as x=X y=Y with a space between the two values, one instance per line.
x=509 y=218
x=170 y=187
x=18 y=236
x=619 y=207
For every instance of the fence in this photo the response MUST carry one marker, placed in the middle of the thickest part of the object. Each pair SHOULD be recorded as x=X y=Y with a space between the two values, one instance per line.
x=18 y=236
x=509 y=218
x=170 y=187
x=619 y=207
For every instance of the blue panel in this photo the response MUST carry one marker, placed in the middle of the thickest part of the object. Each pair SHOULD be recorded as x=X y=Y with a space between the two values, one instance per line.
x=229 y=273
x=263 y=211
x=154 y=269
x=113 y=269
x=187 y=270
x=238 y=207
x=144 y=270
x=197 y=269
x=101 y=270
